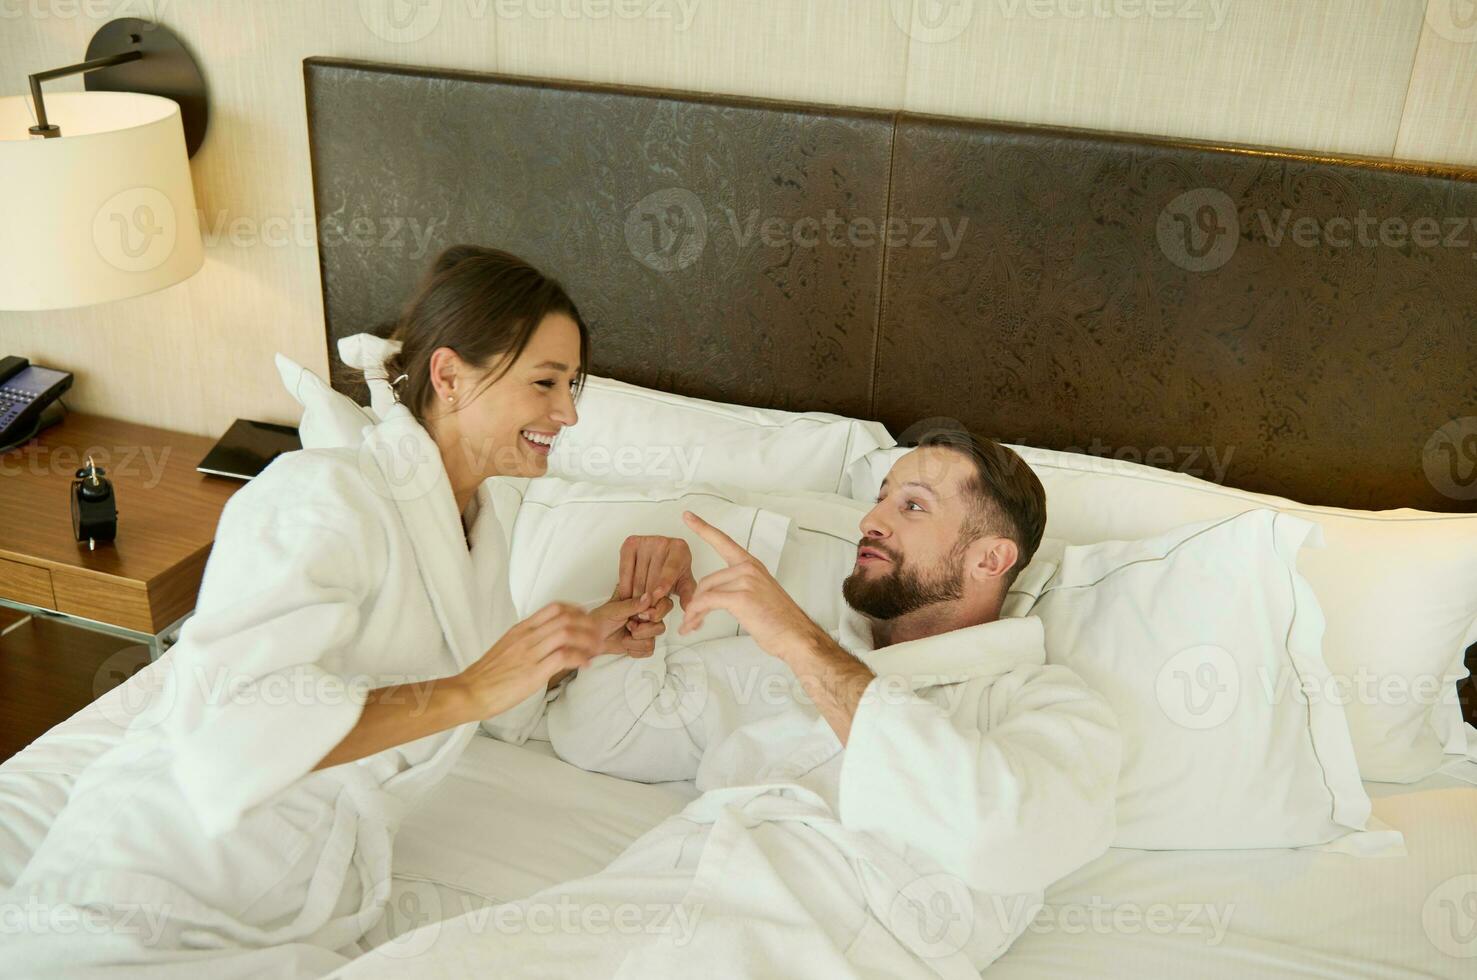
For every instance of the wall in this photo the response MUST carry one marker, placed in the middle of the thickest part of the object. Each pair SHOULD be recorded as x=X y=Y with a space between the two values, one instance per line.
x=1380 y=77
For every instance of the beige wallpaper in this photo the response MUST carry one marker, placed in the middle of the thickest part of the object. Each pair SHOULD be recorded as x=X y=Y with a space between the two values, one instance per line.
x=1368 y=76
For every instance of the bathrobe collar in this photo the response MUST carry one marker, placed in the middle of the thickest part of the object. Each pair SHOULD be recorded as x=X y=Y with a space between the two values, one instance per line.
x=986 y=650
x=402 y=463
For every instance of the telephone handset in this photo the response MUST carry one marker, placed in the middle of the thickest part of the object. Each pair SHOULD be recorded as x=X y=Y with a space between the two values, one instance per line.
x=25 y=392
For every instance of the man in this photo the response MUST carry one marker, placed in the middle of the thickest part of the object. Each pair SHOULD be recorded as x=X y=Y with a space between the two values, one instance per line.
x=892 y=800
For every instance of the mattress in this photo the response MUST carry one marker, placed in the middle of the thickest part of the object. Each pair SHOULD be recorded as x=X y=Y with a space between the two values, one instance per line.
x=511 y=820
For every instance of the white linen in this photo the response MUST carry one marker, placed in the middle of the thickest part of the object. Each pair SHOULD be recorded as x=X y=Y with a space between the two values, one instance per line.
x=1272 y=914
x=973 y=769
x=630 y=434
x=1128 y=914
x=511 y=820
x=1203 y=639
x=333 y=572
x=1398 y=589
x=526 y=821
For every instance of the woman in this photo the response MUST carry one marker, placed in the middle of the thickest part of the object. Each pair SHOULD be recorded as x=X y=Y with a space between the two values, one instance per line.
x=353 y=625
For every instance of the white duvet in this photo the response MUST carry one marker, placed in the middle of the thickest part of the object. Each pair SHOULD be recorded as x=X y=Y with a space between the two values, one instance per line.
x=510 y=821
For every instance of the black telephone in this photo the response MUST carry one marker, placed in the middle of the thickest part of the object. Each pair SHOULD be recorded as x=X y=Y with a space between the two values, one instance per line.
x=25 y=391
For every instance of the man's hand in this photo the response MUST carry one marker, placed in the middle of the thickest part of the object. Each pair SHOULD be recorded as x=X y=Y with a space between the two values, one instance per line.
x=746 y=590
x=832 y=678
x=656 y=564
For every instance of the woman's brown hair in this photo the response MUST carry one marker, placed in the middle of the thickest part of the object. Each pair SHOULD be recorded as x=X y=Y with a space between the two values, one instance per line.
x=483 y=303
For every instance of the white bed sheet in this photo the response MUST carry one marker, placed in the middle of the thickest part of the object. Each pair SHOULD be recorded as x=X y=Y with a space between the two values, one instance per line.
x=511 y=820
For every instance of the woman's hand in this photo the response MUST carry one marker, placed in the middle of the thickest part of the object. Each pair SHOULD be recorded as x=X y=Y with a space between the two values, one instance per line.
x=557 y=639
x=632 y=629
x=554 y=641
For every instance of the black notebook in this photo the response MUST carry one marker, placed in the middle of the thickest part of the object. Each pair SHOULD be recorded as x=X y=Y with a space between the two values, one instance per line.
x=247 y=448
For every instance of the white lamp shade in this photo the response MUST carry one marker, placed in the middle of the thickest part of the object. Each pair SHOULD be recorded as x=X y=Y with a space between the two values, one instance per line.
x=103 y=212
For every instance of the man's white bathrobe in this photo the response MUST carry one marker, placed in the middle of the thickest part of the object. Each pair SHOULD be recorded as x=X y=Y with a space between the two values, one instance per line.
x=204 y=837
x=975 y=775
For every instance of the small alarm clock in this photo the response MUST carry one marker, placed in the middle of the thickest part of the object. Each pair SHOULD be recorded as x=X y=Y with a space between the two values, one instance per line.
x=94 y=509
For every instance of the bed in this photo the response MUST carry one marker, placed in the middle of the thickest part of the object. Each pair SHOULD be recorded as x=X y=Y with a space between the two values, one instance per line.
x=511 y=820
x=1120 y=297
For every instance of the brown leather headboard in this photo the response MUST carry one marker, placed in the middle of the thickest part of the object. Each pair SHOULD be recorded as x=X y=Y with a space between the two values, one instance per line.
x=1286 y=323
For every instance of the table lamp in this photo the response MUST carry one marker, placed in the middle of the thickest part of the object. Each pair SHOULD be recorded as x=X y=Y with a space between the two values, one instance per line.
x=95 y=185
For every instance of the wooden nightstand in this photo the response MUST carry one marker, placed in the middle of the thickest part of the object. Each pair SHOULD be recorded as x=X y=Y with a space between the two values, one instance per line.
x=139 y=586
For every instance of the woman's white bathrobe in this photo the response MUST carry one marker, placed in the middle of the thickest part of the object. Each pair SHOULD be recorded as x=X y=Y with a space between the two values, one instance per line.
x=204 y=838
x=975 y=775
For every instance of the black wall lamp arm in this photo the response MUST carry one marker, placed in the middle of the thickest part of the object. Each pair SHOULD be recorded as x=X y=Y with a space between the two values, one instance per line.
x=46 y=129
x=138 y=56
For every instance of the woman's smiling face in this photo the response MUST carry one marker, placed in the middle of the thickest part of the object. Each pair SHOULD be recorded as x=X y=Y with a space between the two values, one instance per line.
x=508 y=427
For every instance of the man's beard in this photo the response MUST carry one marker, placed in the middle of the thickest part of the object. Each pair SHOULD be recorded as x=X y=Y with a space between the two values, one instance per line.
x=904 y=589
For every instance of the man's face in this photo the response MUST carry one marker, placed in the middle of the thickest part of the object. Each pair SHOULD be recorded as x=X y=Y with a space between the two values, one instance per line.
x=911 y=555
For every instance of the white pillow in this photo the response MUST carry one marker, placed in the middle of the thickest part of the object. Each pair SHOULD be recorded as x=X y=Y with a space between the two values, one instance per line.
x=567 y=538
x=330 y=419
x=638 y=436
x=1200 y=639
x=820 y=550
x=633 y=436
x=1398 y=589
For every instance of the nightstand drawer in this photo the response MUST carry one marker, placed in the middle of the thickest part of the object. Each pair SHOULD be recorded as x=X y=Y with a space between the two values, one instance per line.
x=20 y=582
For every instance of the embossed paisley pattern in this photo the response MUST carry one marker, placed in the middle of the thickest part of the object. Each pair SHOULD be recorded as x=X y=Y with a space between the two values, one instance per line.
x=1134 y=297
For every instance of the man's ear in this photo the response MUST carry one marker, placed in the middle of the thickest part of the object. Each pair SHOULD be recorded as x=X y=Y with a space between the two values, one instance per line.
x=993 y=557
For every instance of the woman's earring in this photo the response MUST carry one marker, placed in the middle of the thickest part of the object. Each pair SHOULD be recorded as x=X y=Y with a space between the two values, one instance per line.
x=451 y=399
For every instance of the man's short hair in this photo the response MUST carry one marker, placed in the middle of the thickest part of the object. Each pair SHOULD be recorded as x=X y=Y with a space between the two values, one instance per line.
x=1009 y=500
